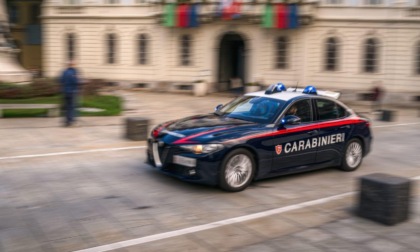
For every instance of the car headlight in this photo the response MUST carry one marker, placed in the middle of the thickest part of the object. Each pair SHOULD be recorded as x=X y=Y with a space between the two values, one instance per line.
x=202 y=148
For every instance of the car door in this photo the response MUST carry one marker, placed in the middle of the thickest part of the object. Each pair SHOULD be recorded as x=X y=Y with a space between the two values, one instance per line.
x=333 y=130
x=292 y=144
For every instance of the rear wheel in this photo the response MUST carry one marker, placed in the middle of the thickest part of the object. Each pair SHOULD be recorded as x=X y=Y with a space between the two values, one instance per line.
x=237 y=170
x=353 y=155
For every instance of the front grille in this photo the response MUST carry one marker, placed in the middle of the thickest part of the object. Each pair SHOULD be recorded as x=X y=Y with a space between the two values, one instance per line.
x=177 y=170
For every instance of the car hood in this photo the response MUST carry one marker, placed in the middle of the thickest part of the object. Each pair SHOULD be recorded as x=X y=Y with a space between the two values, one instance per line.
x=205 y=129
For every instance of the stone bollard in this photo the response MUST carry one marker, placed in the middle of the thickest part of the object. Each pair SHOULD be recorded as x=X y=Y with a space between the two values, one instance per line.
x=417 y=99
x=387 y=115
x=136 y=128
x=384 y=198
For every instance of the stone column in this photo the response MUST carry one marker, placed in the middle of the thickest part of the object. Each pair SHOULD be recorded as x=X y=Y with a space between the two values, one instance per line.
x=10 y=69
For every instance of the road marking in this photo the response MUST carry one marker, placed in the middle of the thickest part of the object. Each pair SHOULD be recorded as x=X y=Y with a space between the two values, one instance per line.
x=161 y=236
x=73 y=152
x=395 y=125
x=141 y=147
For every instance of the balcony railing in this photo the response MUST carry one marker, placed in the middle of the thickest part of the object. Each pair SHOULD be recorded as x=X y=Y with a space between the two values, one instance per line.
x=251 y=12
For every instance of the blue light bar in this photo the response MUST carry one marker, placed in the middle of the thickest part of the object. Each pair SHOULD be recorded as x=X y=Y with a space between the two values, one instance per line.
x=310 y=90
x=281 y=86
x=275 y=88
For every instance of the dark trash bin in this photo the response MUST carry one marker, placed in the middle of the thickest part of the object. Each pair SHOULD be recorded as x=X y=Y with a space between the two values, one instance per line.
x=136 y=128
x=384 y=198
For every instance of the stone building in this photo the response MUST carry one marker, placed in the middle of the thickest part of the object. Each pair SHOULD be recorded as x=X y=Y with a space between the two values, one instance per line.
x=339 y=44
x=25 y=27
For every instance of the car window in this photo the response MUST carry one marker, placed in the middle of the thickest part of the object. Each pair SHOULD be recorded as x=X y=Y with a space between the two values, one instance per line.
x=328 y=110
x=301 y=109
x=253 y=108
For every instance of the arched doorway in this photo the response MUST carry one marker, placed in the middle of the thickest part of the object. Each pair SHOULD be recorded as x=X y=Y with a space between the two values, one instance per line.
x=231 y=68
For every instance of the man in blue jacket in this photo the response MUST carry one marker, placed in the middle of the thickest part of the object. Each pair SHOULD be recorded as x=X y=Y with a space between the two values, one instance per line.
x=70 y=89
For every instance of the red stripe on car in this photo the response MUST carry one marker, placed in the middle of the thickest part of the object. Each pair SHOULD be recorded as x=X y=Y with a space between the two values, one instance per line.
x=185 y=140
x=303 y=128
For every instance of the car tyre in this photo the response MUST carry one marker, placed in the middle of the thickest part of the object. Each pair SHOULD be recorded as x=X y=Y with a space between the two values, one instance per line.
x=237 y=170
x=352 y=156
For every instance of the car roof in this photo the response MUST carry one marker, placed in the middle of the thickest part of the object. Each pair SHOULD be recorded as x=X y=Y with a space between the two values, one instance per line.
x=284 y=95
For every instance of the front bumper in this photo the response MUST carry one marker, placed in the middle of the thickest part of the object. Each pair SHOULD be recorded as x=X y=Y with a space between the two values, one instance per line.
x=205 y=171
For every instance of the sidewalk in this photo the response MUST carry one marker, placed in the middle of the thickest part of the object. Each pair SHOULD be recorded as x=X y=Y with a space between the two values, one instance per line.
x=329 y=226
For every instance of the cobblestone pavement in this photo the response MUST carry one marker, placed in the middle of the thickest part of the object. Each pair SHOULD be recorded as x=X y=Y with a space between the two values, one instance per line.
x=80 y=199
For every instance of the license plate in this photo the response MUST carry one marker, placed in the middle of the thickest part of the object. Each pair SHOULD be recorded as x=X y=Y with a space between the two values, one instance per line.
x=156 y=157
x=190 y=162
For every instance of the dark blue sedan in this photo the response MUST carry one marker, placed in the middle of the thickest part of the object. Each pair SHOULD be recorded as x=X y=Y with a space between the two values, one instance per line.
x=260 y=135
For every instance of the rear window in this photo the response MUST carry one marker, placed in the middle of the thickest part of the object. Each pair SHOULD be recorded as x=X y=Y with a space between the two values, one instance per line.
x=329 y=110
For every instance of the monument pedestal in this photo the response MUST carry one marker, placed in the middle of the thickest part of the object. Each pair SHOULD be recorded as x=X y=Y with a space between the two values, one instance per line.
x=10 y=70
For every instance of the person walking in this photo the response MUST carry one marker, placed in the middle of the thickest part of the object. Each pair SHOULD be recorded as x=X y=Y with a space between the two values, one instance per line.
x=70 y=88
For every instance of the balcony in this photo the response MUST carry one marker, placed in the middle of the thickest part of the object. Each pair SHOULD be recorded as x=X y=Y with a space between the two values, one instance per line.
x=251 y=12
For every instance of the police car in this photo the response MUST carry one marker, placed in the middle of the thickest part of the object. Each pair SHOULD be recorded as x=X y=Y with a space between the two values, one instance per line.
x=259 y=135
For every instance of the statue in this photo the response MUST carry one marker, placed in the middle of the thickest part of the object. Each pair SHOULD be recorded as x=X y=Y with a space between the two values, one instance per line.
x=10 y=70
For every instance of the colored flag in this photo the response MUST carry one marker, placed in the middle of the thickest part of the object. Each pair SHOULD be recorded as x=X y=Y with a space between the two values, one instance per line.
x=169 y=15
x=236 y=9
x=226 y=9
x=229 y=9
x=268 y=16
x=293 y=16
x=193 y=16
x=182 y=15
x=281 y=16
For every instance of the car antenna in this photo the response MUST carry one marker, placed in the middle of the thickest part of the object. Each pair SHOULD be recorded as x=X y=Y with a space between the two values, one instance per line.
x=297 y=84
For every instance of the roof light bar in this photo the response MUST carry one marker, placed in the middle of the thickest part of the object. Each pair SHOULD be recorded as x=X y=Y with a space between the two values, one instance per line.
x=310 y=90
x=275 y=88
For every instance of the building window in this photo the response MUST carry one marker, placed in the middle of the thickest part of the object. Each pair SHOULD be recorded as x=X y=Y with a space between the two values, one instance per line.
x=371 y=56
x=418 y=58
x=71 y=48
x=373 y=2
x=111 y=47
x=112 y=1
x=143 y=43
x=331 y=54
x=281 y=52
x=185 y=50
x=334 y=2
x=13 y=13
x=35 y=13
x=71 y=2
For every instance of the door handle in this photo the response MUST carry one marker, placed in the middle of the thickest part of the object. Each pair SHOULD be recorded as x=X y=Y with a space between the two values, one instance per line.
x=313 y=132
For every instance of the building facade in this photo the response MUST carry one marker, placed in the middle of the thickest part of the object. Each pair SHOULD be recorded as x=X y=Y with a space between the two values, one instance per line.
x=25 y=28
x=339 y=44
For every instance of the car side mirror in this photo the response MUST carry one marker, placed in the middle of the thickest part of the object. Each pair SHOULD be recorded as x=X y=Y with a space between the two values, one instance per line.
x=291 y=120
x=218 y=107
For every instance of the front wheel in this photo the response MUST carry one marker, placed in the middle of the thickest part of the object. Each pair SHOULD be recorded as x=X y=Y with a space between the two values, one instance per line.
x=353 y=155
x=237 y=170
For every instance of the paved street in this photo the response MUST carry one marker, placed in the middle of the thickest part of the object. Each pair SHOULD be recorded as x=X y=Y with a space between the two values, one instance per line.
x=67 y=189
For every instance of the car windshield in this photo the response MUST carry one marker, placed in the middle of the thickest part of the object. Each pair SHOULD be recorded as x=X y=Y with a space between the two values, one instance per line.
x=253 y=108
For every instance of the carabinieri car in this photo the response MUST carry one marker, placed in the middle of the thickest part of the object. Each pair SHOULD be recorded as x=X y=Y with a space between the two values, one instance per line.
x=259 y=135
